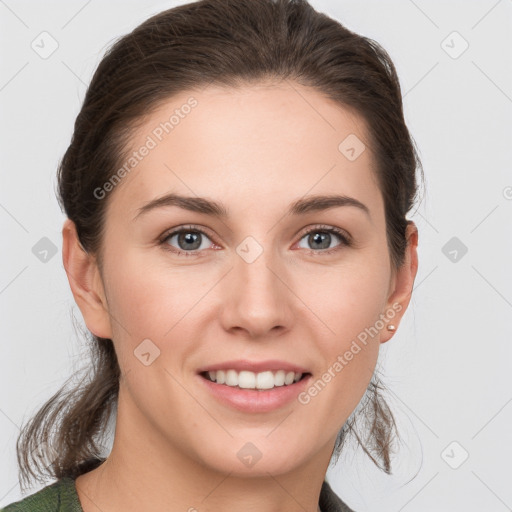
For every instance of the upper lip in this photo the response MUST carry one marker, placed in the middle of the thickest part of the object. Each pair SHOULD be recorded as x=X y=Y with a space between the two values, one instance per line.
x=254 y=366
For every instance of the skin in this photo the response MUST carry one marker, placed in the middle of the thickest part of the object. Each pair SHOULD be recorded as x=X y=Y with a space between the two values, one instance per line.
x=255 y=149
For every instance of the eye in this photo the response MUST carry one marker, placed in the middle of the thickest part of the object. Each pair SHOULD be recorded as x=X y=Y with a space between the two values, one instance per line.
x=189 y=239
x=320 y=238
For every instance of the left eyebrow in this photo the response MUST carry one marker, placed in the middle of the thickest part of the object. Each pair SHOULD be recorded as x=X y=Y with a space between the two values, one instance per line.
x=205 y=206
x=326 y=202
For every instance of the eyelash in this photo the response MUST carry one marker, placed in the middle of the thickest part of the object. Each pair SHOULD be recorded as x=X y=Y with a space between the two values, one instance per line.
x=343 y=238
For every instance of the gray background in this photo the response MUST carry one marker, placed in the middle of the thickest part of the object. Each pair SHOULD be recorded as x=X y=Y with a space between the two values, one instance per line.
x=448 y=367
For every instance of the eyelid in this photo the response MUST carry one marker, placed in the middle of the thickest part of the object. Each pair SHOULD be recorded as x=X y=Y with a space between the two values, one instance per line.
x=326 y=227
x=185 y=227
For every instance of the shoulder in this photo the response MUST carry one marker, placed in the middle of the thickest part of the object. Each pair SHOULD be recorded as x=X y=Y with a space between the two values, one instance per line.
x=330 y=501
x=60 y=496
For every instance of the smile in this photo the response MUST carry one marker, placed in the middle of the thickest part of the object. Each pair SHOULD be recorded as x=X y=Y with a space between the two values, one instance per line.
x=251 y=380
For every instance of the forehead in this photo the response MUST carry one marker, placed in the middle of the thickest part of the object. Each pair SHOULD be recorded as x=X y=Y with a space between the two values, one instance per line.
x=260 y=142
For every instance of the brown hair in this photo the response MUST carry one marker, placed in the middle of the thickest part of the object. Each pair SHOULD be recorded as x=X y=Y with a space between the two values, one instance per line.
x=229 y=43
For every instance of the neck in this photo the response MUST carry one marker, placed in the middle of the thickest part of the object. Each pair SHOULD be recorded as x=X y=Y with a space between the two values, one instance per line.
x=146 y=472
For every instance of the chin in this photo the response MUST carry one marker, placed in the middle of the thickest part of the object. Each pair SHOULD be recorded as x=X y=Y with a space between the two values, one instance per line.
x=244 y=458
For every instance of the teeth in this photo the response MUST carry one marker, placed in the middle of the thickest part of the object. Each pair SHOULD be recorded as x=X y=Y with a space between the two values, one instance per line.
x=264 y=380
x=246 y=380
x=251 y=380
x=289 y=378
x=231 y=378
x=279 y=378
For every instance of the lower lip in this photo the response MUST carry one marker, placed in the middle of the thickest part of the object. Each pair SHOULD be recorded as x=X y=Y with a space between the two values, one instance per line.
x=254 y=400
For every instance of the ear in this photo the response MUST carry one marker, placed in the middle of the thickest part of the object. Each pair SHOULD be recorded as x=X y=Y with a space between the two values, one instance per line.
x=85 y=281
x=402 y=282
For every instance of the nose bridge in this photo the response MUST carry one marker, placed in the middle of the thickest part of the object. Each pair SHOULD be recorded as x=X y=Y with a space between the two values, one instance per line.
x=252 y=270
x=256 y=296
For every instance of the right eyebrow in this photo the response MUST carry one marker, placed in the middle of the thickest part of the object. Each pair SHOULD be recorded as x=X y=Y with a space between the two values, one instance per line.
x=193 y=204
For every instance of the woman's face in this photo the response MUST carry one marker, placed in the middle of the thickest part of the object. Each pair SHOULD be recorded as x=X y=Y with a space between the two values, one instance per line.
x=244 y=287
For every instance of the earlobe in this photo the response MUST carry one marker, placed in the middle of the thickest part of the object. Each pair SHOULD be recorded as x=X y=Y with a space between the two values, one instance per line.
x=399 y=299
x=85 y=281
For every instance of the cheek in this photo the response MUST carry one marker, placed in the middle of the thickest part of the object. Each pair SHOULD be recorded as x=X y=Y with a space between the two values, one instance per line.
x=347 y=299
x=149 y=298
x=150 y=302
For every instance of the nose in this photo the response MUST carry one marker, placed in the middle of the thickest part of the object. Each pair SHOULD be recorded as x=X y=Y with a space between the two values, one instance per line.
x=256 y=299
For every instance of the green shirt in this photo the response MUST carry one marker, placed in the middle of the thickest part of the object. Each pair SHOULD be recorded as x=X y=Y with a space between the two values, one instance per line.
x=61 y=496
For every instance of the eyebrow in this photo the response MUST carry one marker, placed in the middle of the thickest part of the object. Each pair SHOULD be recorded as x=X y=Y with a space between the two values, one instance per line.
x=205 y=206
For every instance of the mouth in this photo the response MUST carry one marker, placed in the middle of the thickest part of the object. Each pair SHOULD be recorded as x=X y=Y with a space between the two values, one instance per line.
x=254 y=386
x=257 y=381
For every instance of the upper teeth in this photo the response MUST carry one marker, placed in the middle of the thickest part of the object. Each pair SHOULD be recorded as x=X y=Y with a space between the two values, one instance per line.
x=251 y=380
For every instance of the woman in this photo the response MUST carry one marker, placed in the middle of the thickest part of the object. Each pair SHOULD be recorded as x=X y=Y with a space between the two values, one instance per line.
x=271 y=140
